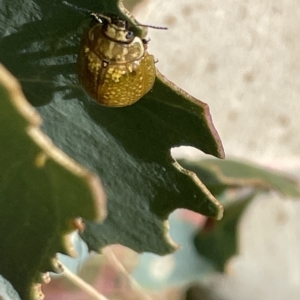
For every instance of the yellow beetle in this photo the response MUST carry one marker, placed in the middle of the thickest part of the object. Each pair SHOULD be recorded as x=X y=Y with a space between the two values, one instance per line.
x=114 y=66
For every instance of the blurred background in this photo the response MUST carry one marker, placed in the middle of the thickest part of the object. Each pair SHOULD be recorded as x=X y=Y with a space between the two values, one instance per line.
x=242 y=58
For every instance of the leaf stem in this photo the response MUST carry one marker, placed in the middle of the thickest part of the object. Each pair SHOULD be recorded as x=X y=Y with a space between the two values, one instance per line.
x=114 y=261
x=83 y=285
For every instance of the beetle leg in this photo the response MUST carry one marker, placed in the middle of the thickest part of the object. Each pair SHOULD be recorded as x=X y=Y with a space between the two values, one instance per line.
x=146 y=41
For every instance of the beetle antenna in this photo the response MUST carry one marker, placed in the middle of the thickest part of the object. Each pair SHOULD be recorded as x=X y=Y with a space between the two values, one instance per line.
x=75 y=7
x=152 y=26
x=96 y=16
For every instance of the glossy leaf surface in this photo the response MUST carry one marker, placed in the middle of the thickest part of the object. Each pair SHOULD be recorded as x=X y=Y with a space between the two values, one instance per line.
x=42 y=191
x=129 y=148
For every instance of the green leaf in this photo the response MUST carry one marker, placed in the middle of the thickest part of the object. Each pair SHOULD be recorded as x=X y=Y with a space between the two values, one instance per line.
x=129 y=148
x=220 y=175
x=41 y=192
x=218 y=240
